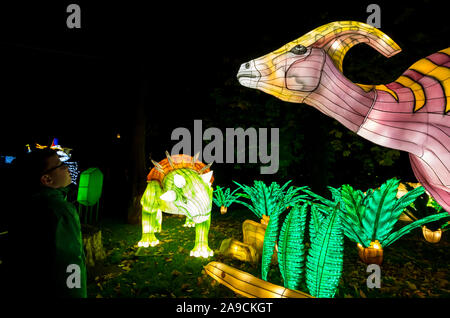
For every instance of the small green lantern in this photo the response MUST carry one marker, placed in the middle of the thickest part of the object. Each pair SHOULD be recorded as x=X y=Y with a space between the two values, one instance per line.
x=90 y=187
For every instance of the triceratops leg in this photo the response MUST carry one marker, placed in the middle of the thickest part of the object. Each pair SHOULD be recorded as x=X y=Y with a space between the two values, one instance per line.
x=151 y=224
x=201 y=247
x=189 y=222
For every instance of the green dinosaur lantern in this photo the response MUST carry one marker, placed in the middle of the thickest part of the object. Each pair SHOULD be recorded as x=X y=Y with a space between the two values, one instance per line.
x=179 y=184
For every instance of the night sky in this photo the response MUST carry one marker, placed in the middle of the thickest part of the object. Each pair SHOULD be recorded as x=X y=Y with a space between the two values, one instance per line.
x=81 y=85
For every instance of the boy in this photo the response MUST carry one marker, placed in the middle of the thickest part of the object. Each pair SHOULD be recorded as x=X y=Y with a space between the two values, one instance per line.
x=50 y=258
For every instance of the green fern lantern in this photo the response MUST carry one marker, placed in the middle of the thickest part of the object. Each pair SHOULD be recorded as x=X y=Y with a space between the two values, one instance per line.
x=268 y=202
x=223 y=198
x=291 y=248
x=369 y=217
x=325 y=257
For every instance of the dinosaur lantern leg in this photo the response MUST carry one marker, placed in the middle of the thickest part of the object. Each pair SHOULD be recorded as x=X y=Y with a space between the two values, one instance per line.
x=151 y=224
x=189 y=222
x=201 y=247
x=151 y=215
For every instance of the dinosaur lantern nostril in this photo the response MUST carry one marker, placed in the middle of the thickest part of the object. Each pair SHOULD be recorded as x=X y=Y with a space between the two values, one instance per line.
x=247 y=65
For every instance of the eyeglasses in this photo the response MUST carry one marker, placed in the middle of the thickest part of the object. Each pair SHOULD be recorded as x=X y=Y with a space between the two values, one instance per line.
x=54 y=168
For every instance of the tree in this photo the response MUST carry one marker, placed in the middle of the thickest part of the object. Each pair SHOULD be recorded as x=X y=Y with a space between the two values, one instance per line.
x=136 y=165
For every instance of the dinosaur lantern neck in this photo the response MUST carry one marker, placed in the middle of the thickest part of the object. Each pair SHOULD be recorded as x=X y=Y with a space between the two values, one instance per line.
x=339 y=98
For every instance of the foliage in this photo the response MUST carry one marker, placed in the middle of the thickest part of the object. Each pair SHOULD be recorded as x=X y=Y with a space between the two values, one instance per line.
x=413 y=269
x=372 y=215
x=406 y=229
x=270 y=200
x=424 y=206
x=225 y=198
x=325 y=257
x=316 y=220
x=270 y=238
x=291 y=250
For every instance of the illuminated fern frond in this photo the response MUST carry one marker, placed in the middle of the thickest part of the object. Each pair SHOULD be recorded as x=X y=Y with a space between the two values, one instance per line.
x=325 y=258
x=291 y=249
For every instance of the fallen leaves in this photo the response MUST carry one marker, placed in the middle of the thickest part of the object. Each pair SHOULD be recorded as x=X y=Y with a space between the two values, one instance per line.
x=169 y=271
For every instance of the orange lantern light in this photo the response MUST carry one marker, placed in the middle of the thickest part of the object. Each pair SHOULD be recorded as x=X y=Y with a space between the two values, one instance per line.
x=372 y=254
x=431 y=236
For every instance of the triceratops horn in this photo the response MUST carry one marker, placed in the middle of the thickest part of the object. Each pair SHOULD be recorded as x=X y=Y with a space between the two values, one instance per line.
x=205 y=168
x=169 y=158
x=158 y=166
x=195 y=158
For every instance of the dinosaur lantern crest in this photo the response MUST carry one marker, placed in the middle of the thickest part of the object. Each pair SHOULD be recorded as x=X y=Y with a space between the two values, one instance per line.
x=409 y=114
x=179 y=184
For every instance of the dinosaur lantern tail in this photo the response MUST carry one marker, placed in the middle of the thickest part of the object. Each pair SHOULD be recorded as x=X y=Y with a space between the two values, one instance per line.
x=429 y=180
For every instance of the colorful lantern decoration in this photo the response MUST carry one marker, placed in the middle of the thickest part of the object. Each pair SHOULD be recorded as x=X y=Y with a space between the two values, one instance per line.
x=248 y=285
x=431 y=236
x=372 y=254
x=409 y=114
x=423 y=207
x=369 y=217
x=223 y=199
x=90 y=187
x=268 y=202
x=179 y=184
x=89 y=193
x=64 y=155
x=253 y=233
x=325 y=257
x=291 y=250
x=236 y=249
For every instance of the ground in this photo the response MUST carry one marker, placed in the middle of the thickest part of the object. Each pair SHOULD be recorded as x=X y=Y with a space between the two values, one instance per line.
x=412 y=267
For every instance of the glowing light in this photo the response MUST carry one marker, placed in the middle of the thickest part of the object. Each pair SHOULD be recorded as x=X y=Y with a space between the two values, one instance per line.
x=168 y=196
x=375 y=245
x=176 y=186
x=248 y=285
x=179 y=181
x=90 y=188
x=335 y=45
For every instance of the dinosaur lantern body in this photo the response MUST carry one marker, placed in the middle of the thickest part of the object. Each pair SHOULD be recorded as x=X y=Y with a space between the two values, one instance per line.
x=409 y=114
x=179 y=184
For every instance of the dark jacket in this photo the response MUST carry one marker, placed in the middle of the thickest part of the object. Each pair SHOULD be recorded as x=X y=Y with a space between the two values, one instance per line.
x=49 y=239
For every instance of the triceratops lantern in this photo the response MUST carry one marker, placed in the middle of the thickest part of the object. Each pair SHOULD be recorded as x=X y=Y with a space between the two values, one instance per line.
x=179 y=184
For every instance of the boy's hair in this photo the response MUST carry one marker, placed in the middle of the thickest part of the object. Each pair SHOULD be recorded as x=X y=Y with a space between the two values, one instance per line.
x=32 y=166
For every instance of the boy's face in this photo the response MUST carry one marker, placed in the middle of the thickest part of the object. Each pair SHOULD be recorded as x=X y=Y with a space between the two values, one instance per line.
x=56 y=174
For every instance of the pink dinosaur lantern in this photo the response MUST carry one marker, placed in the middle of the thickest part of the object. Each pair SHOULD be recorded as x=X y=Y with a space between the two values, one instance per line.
x=409 y=114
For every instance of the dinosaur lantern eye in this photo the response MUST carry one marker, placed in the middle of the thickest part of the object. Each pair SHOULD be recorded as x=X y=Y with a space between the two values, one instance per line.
x=298 y=49
x=179 y=181
x=168 y=196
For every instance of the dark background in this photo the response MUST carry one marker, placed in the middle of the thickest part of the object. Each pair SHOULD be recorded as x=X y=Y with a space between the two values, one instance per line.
x=177 y=63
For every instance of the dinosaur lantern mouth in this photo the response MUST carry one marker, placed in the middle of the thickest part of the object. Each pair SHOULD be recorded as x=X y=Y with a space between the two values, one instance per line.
x=248 y=75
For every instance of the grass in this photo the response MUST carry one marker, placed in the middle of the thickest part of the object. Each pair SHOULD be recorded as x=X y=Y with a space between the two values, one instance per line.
x=411 y=267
